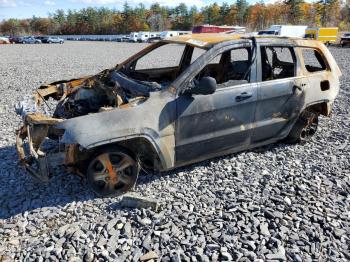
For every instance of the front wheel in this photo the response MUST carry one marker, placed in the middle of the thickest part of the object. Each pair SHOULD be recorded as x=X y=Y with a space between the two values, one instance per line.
x=304 y=128
x=112 y=172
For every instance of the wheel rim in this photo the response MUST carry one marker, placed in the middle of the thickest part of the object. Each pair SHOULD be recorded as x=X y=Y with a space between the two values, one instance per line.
x=310 y=128
x=112 y=173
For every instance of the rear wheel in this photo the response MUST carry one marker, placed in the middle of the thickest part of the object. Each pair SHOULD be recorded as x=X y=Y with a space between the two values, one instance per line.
x=112 y=172
x=304 y=129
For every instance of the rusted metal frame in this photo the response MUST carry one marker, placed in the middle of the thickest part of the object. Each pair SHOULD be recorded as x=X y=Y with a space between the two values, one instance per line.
x=182 y=81
x=35 y=138
x=329 y=59
x=21 y=134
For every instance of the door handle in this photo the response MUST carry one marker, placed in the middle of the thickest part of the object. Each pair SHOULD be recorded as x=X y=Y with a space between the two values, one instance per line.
x=243 y=96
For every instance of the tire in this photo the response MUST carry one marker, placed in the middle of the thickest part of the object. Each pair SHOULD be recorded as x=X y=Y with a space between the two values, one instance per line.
x=304 y=128
x=112 y=171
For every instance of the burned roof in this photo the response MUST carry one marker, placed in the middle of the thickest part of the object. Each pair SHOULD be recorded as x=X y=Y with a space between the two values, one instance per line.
x=210 y=39
x=203 y=40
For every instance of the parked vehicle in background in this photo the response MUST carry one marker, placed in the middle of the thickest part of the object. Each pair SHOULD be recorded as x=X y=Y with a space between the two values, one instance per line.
x=345 y=39
x=213 y=29
x=285 y=30
x=12 y=39
x=215 y=94
x=17 y=40
x=154 y=39
x=166 y=34
x=327 y=35
x=123 y=38
x=26 y=40
x=4 y=40
x=51 y=40
x=133 y=37
x=40 y=38
x=143 y=37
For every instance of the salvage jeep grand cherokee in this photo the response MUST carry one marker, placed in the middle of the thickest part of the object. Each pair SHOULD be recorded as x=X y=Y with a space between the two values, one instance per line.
x=216 y=95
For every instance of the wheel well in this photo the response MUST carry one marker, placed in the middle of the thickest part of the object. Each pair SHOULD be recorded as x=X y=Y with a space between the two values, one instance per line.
x=320 y=108
x=140 y=148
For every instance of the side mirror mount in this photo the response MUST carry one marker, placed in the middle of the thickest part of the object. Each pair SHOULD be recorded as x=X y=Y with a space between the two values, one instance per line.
x=206 y=86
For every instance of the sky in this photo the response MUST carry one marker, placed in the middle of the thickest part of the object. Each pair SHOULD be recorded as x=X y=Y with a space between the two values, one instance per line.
x=41 y=8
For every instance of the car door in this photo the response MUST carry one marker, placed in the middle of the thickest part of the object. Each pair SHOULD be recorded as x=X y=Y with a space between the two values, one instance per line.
x=209 y=125
x=281 y=92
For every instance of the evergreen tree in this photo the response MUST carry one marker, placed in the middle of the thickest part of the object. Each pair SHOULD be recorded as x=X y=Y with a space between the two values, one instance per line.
x=295 y=12
x=242 y=7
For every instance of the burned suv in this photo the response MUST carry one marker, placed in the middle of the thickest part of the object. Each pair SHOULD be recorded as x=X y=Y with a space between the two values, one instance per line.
x=212 y=95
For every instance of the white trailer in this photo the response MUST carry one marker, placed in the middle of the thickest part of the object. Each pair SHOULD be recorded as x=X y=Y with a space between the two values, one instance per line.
x=144 y=36
x=133 y=37
x=285 y=30
x=167 y=34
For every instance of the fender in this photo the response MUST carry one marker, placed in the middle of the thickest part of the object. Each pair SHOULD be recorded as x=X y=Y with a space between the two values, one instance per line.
x=153 y=120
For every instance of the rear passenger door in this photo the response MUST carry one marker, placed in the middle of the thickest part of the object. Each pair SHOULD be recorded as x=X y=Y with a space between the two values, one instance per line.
x=280 y=94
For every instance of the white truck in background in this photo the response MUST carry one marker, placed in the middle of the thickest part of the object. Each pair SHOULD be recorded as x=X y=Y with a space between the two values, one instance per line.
x=285 y=30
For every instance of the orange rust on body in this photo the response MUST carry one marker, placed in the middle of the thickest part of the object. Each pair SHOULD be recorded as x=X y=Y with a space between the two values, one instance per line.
x=38 y=118
x=21 y=134
x=70 y=157
x=77 y=82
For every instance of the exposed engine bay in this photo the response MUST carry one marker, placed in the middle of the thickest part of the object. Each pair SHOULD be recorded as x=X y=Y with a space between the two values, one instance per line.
x=106 y=90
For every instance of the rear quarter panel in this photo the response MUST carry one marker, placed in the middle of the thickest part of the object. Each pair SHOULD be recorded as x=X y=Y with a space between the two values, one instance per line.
x=314 y=94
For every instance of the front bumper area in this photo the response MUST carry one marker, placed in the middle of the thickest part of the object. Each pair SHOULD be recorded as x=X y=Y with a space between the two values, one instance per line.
x=36 y=162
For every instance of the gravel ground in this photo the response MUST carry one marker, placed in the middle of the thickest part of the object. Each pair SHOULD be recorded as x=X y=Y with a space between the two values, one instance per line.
x=279 y=202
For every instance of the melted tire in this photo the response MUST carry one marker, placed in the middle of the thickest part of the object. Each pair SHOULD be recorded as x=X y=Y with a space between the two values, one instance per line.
x=304 y=128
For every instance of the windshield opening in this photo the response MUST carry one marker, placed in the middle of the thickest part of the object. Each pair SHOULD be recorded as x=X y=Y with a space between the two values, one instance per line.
x=161 y=65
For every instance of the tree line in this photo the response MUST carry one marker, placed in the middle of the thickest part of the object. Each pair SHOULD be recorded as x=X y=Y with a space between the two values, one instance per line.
x=182 y=17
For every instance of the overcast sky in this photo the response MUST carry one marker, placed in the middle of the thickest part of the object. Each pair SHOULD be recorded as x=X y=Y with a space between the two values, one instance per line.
x=41 y=8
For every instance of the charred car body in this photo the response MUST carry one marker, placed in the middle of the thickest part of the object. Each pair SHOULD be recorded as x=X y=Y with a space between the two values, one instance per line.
x=222 y=94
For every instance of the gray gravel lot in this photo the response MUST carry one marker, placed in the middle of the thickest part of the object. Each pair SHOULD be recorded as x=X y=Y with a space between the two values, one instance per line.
x=280 y=202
